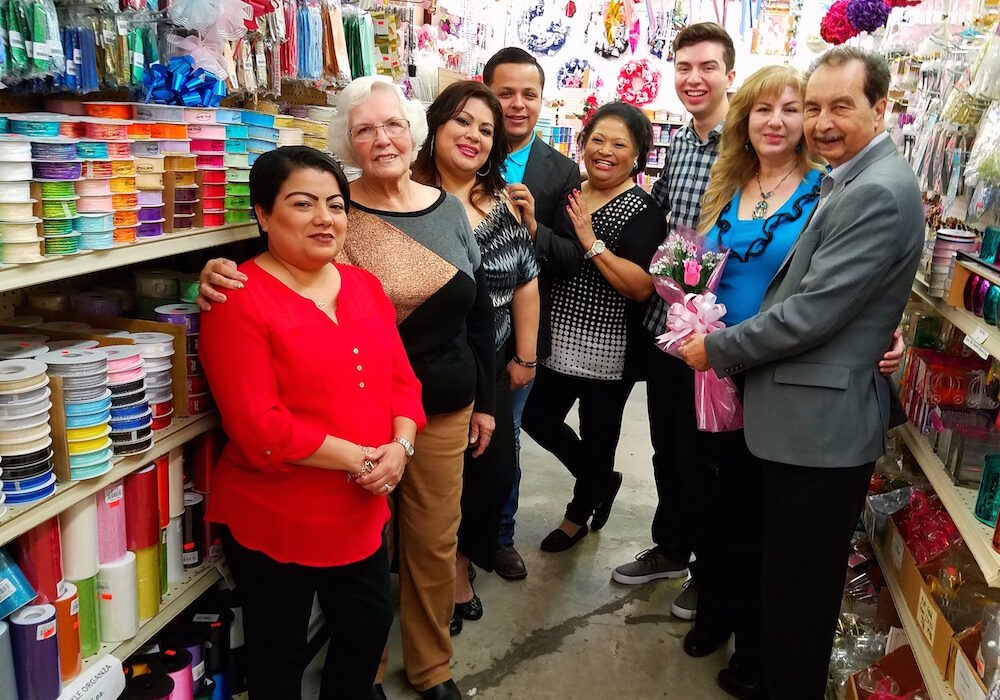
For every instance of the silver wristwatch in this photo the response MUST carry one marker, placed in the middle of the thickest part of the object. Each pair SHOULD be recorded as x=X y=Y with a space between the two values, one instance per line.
x=595 y=249
x=407 y=446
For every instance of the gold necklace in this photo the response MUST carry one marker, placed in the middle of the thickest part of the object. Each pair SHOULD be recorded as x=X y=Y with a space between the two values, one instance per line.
x=760 y=208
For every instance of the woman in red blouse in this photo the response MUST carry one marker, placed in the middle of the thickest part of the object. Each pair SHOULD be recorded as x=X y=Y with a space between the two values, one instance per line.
x=321 y=408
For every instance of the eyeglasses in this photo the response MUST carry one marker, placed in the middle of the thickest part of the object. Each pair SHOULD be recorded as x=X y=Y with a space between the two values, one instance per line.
x=367 y=132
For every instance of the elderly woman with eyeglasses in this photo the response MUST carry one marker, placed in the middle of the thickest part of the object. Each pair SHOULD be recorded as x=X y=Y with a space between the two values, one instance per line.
x=417 y=240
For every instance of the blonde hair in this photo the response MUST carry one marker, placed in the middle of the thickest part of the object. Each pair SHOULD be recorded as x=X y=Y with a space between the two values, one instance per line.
x=736 y=162
x=356 y=92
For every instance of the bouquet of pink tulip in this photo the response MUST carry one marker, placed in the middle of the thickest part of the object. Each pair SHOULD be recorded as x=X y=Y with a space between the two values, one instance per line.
x=686 y=274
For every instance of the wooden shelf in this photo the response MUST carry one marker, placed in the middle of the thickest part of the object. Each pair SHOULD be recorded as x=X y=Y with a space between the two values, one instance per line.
x=178 y=597
x=937 y=686
x=19 y=519
x=668 y=123
x=85 y=262
x=959 y=502
x=965 y=321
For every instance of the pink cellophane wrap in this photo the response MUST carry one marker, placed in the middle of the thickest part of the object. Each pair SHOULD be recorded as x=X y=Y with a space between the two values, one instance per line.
x=716 y=401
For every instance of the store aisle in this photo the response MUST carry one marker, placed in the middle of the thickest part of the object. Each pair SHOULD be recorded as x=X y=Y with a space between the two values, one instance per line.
x=567 y=632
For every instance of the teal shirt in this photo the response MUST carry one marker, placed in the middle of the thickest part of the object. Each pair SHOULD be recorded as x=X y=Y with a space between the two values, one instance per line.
x=746 y=276
x=516 y=162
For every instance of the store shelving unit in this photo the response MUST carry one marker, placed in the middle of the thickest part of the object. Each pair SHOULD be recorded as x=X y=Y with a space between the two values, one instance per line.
x=178 y=597
x=19 y=519
x=959 y=502
x=936 y=686
x=85 y=262
x=965 y=321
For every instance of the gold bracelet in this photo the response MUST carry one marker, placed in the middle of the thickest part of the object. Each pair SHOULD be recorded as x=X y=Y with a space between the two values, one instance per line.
x=367 y=468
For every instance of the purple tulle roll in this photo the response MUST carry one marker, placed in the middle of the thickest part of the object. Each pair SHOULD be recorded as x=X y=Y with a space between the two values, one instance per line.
x=867 y=15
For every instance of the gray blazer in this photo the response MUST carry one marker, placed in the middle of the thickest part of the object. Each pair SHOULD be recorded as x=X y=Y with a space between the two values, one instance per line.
x=813 y=394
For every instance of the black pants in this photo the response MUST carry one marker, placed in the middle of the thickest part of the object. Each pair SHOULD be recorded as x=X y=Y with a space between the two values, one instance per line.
x=277 y=600
x=729 y=547
x=680 y=468
x=810 y=515
x=486 y=480
x=589 y=456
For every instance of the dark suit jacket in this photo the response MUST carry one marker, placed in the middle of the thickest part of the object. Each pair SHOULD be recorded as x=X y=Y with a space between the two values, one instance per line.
x=551 y=177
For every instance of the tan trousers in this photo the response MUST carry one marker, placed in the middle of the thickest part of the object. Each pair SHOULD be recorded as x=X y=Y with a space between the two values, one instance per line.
x=427 y=512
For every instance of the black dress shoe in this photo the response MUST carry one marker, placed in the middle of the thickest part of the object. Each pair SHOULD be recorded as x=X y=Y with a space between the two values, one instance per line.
x=377 y=693
x=739 y=685
x=471 y=610
x=603 y=510
x=443 y=691
x=559 y=541
x=699 y=642
x=455 y=626
x=508 y=563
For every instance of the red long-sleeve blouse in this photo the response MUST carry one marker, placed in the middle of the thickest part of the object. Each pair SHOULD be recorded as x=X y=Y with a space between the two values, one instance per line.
x=284 y=376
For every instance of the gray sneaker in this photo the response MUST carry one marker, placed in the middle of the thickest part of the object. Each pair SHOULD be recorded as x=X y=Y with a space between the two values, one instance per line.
x=649 y=565
x=685 y=605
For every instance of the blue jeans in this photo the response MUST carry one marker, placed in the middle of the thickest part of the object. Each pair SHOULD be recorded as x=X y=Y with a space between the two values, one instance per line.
x=519 y=397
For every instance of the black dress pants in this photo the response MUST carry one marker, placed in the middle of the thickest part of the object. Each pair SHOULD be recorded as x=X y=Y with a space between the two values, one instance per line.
x=678 y=461
x=589 y=456
x=809 y=516
x=277 y=601
x=487 y=479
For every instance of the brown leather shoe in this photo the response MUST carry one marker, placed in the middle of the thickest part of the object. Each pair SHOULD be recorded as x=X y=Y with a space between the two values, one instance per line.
x=508 y=563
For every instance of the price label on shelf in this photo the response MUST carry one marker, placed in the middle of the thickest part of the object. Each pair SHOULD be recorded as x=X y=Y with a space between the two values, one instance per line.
x=967 y=686
x=896 y=549
x=45 y=631
x=975 y=341
x=7 y=589
x=927 y=616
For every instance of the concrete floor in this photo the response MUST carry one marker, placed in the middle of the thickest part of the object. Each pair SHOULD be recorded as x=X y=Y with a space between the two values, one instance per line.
x=568 y=632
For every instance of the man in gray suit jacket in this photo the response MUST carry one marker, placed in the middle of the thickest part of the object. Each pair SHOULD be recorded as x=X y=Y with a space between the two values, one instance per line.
x=816 y=409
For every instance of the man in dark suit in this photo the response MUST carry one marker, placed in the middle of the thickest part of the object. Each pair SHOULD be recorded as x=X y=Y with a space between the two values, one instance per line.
x=540 y=180
x=816 y=410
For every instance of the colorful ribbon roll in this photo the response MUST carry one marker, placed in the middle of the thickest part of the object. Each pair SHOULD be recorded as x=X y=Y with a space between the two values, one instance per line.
x=124 y=200
x=210 y=160
x=59 y=208
x=126 y=217
x=213 y=218
x=150 y=229
x=193 y=520
x=107 y=130
x=92 y=150
x=149 y=181
x=97 y=241
x=53 y=150
x=8 y=683
x=111 y=527
x=95 y=205
x=123 y=168
x=35 y=124
x=68 y=629
x=150 y=198
x=237 y=216
x=38 y=554
x=123 y=185
x=147 y=564
x=149 y=686
x=80 y=554
x=93 y=188
x=117 y=599
x=96 y=223
x=149 y=164
x=119 y=150
x=109 y=110
x=186 y=194
x=45 y=170
x=142 y=523
x=35 y=647
x=62 y=245
x=156 y=112
x=180 y=146
x=172 y=132
x=175 y=663
x=90 y=625
x=185 y=208
x=13 y=579
x=146 y=148
x=213 y=177
x=139 y=130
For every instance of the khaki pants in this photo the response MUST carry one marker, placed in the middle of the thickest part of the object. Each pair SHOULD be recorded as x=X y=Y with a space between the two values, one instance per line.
x=427 y=512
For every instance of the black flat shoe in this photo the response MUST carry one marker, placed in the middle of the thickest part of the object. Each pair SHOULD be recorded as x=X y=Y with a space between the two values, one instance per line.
x=739 y=685
x=377 y=693
x=603 y=510
x=559 y=541
x=455 y=626
x=698 y=642
x=470 y=610
x=443 y=691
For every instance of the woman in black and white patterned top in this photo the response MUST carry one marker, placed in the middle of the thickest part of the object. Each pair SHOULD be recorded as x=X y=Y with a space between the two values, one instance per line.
x=464 y=157
x=599 y=346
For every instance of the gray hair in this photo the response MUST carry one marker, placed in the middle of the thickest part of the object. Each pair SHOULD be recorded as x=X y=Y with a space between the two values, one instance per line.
x=356 y=92
x=876 y=83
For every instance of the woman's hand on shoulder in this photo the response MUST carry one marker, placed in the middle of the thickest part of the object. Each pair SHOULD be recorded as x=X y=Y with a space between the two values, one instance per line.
x=218 y=273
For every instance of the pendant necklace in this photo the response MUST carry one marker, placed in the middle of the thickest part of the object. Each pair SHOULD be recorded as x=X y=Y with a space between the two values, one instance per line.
x=760 y=208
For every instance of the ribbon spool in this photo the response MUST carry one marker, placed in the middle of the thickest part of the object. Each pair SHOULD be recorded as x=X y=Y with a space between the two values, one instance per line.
x=156 y=284
x=45 y=170
x=95 y=205
x=150 y=198
x=158 y=112
x=15 y=172
x=14 y=148
x=139 y=130
x=187 y=315
x=170 y=132
x=118 y=603
x=95 y=223
x=108 y=130
x=62 y=245
x=149 y=182
x=35 y=649
x=59 y=208
x=35 y=124
x=146 y=148
x=15 y=191
x=22 y=349
x=97 y=241
x=234 y=216
x=93 y=188
x=54 y=150
x=123 y=186
x=26 y=232
x=17 y=211
x=119 y=149
x=108 y=110
x=181 y=146
x=92 y=150
x=126 y=217
x=68 y=629
x=123 y=168
x=214 y=132
x=125 y=200
x=214 y=177
x=149 y=164
x=13 y=579
x=236 y=160
x=180 y=83
x=99 y=304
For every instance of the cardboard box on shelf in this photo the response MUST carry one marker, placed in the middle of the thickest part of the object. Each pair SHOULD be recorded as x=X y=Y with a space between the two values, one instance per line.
x=962 y=674
x=900 y=666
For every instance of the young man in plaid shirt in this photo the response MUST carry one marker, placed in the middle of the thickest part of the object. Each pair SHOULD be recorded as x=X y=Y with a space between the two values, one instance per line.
x=703 y=73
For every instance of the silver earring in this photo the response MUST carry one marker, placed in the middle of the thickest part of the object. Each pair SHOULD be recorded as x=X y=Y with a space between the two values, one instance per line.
x=488 y=166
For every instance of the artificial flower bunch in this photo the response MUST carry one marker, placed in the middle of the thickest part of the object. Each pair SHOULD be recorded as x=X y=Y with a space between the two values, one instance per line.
x=683 y=265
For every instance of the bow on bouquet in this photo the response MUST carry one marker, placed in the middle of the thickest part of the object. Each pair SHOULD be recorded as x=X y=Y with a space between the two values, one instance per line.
x=686 y=274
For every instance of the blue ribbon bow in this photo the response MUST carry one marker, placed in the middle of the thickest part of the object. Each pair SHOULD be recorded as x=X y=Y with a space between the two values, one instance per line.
x=180 y=83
